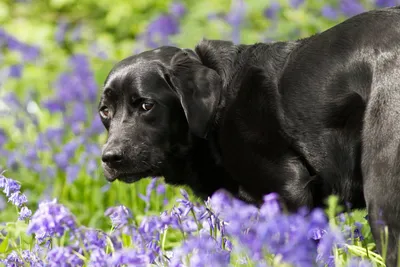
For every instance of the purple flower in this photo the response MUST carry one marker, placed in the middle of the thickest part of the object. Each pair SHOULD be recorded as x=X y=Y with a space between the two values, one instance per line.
x=62 y=27
x=28 y=52
x=51 y=219
x=358 y=262
x=9 y=186
x=129 y=257
x=119 y=215
x=271 y=206
x=13 y=259
x=54 y=135
x=357 y=231
x=296 y=3
x=94 y=239
x=161 y=189
x=54 y=105
x=160 y=29
x=24 y=213
x=203 y=251
x=327 y=243
x=16 y=70
x=3 y=137
x=351 y=7
x=235 y=17
x=272 y=10
x=149 y=190
x=177 y=9
x=329 y=12
x=98 y=258
x=2 y=203
x=62 y=160
x=17 y=199
x=63 y=256
x=92 y=166
x=318 y=224
x=72 y=172
x=31 y=258
x=76 y=33
x=96 y=127
x=386 y=3
x=83 y=73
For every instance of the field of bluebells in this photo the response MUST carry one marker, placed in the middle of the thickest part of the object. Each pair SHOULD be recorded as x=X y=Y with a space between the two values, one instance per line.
x=56 y=208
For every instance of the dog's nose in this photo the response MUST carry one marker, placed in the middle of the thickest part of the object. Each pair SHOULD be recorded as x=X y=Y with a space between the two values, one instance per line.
x=112 y=156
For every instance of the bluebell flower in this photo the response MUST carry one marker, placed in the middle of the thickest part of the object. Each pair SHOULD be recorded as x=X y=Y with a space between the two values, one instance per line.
x=333 y=237
x=202 y=251
x=96 y=127
x=72 y=172
x=3 y=137
x=31 y=258
x=54 y=105
x=161 y=189
x=159 y=30
x=92 y=239
x=98 y=258
x=76 y=33
x=9 y=185
x=24 y=213
x=358 y=262
x=28 y=52
x=2 y=203
x=63 y=256
x=296 y=3
x=177 y=9
x=17 y=199
x=16 y=70
x=386 y=3
x=51 y=219
x=119 y=215
x=62 y=27
x=62 y=160
x=54 y=135
x=149 y=190
x=272 y=10
x=235 y=18
x=129 y=257
x=82 y=72
x=329 y=12
x=13 y=259
x=351 y=7
x=357 y=231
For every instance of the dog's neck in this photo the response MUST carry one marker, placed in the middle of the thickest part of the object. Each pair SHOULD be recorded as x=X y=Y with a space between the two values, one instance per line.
x=198 y=169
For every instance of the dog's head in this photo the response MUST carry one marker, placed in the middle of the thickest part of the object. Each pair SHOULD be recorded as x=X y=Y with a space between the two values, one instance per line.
x=152 y=105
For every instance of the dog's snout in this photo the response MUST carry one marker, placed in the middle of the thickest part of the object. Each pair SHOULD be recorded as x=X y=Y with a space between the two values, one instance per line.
x=112 y=156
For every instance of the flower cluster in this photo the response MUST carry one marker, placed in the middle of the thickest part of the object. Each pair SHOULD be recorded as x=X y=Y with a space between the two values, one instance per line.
x=11 y=188
x=223 y=231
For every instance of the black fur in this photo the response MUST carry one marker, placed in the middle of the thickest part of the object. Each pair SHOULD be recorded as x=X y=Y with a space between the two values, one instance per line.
x=305 y=118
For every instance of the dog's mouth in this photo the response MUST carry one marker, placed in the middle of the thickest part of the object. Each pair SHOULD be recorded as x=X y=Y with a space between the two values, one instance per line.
x=127 y=177
x=133 y=177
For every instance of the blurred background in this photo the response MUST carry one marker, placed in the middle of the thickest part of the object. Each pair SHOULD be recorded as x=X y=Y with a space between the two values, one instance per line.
x=55 y=55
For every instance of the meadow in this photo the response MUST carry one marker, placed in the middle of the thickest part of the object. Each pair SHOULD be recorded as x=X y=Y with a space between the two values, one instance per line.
x=56 y=207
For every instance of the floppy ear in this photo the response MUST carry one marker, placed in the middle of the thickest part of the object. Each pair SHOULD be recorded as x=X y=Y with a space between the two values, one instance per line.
x=198 y=88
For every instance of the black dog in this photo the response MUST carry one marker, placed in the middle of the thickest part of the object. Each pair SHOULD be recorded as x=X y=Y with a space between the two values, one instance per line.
x=305 y=119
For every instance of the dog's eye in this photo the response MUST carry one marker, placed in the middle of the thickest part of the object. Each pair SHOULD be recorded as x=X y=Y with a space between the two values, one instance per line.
x=105 y=113
x=147 y=106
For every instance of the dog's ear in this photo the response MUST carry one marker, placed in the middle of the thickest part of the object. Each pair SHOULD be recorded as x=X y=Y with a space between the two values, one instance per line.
x=198 y=88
